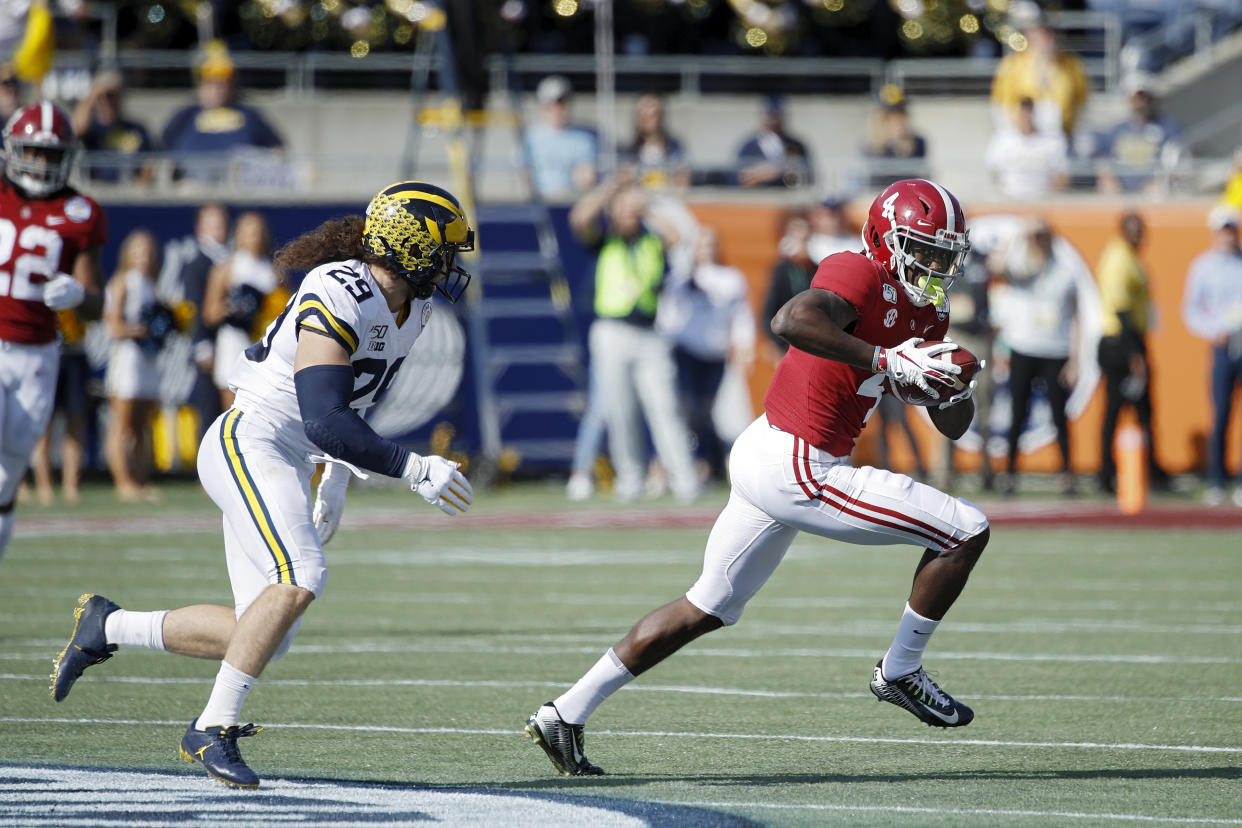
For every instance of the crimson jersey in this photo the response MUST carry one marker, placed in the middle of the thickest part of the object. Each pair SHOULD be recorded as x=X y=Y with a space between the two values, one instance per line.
x=40 y=237
x=826 y=402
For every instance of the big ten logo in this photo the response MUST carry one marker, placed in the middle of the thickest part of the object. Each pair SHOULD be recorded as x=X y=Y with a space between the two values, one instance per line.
x=378 y=333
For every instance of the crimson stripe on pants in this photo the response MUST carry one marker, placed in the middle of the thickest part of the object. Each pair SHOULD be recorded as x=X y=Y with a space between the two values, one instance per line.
x=932 y=536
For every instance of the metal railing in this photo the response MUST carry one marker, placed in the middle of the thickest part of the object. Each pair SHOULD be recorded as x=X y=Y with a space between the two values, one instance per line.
x=274 y=176
x=304 y=73
x=1177 y=37
x=1096 y=36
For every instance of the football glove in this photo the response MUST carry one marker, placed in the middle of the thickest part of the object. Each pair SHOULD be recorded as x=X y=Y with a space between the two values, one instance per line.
x=62 y=292
x=967 y=392
x=439 y=482
x=963 y=395
x=907 y=364
x=330 y=500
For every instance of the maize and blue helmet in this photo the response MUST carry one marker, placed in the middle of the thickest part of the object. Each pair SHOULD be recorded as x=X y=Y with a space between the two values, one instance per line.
x=418 y=229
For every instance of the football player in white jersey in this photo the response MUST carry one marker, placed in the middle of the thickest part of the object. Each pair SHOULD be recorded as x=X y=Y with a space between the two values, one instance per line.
x=301 y=391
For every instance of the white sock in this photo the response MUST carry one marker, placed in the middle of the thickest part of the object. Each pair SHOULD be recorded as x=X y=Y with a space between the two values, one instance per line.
x=905 y=655
x=126 y=628
x=6 y=531
x=227 y=696
x=607 y=677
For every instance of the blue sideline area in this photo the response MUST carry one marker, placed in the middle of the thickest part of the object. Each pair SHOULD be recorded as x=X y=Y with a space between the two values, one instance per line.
x=171 y=223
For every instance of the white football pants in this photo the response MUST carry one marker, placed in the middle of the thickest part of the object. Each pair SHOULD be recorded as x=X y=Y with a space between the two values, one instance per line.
x=781 y=486
x=27 y=393
x=264 y=493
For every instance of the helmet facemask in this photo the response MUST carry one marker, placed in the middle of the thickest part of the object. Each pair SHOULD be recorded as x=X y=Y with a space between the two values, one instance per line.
x=45 y=171
x=926 y=265
x=423 y=279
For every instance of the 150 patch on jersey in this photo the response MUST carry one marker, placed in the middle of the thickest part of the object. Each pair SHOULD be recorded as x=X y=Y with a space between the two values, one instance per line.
x=378 y=332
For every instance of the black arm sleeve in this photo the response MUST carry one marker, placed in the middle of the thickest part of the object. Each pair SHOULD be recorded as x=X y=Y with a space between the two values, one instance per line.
x=323 y=399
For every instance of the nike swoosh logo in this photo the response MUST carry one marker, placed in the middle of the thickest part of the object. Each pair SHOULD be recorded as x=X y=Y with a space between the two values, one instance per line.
x=920 y=632
x=946 y=719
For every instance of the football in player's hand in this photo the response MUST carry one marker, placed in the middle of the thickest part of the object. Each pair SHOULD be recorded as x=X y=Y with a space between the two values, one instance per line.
x=947 y=385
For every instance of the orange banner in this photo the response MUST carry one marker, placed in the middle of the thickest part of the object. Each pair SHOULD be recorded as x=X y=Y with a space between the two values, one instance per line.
x=1180 y=362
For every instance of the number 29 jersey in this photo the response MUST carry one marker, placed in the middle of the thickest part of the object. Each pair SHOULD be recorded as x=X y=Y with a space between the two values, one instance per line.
x=342 y=301
x=40 y=237
x=825 y=402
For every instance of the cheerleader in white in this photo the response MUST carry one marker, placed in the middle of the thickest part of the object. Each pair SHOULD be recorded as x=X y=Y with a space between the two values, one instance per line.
x=132 y=378
x=235 y=294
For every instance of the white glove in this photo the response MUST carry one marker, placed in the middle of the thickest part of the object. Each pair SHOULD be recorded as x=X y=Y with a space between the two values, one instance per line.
x=908 y=364
x=439 y=482
x=967 y=392
x=62 y=292
x=330 y=500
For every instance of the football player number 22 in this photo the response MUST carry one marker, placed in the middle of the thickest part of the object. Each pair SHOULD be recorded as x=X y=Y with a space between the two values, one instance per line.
x=17 y=282
x=873 y=386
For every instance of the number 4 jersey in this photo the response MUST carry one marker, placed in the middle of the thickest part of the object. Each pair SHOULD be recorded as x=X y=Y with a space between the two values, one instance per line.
x=826 y=402
x=341 y=301
x=40 y=237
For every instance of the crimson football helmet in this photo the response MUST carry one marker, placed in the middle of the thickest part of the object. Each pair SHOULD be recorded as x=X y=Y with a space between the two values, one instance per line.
x=916 y=229
x=39 y=146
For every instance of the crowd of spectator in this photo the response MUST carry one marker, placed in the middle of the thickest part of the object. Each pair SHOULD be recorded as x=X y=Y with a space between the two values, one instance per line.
x=657 y=288
x=1041 y=142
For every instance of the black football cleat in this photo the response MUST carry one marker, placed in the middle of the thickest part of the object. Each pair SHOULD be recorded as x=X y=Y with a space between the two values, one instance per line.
x=564 y=743
x=87 y=646
x=216 y=750
x=920 y=695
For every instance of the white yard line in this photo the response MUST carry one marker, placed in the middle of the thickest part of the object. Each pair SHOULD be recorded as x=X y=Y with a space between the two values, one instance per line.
x=633 y=688
x=489 y=648
x=663 y=734
x=906 y=809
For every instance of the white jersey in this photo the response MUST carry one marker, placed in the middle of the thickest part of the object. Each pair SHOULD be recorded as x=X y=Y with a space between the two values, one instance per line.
x=342 y=301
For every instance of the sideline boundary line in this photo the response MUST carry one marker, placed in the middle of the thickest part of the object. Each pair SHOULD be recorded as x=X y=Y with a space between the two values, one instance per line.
x=1033 y=515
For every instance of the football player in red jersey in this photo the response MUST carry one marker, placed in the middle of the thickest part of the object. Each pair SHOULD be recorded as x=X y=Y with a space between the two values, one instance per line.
x=50 y=238
x=854 y=330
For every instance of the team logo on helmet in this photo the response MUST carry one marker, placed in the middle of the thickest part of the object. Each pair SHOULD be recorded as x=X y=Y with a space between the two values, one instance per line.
x=419 y=229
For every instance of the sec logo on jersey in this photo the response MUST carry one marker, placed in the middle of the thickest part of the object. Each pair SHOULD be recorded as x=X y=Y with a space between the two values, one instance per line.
x=426 y=313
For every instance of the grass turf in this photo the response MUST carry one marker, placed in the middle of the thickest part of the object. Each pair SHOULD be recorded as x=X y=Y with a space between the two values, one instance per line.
x=1103 y=666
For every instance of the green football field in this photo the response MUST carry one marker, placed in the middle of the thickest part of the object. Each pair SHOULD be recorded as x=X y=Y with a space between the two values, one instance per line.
x=1104 y=666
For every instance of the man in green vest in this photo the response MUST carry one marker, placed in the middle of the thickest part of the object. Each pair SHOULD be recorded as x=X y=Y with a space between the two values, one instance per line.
x=634 y=363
